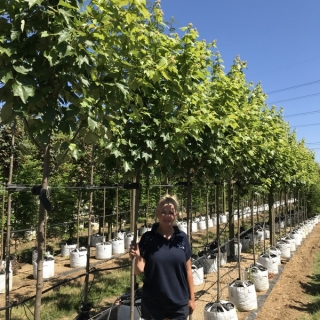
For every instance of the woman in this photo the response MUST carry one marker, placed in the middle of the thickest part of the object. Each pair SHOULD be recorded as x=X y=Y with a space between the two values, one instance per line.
x=164 y=254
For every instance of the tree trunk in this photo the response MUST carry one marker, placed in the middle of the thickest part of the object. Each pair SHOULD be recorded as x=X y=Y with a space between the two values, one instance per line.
x=133 y=229
x=271 y=219
x=86 y=307
x=9 y=222
x=231 y=217
x=40 y=235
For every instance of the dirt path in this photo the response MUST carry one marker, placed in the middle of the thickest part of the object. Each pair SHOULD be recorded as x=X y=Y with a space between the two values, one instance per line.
x=287 y=299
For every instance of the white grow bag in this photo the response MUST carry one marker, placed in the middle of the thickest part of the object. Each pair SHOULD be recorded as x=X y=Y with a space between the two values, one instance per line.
x=222 y=310
x=97 y=238
x=258 y=274
x=267 y=234
x=223 y=258
x=214 y=220
x=260 y=234
x=78 y=258
x=243 y=295
x=237 y=249
x=284 y=247
x=66 y=248
x=183 y=227
x=210 y=223
x=127 y=240
x=223 y=218
x=117 y=246
x=3 y=277
x=209 y=264
x=198 y=275
x=202 y=225
x=245 y=243
x=48 y=267
x=297 y=236
x=3 y=281
x=103 y=250
x=292 y=243
x=276 y=251
x=270 y=262
x=194 y=226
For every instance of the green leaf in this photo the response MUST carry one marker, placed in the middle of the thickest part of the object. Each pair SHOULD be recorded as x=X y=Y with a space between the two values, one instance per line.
x=92 y=124
x=33 y=2
x=64 y=36
x=7 y=51
x=45 y=34
x=122 y=88
x=98 y=35
x=162 y=63
x=75 y=154
x=23 y=22
x=67 y=5
x=24 y=92
x=126 y=166
x=7 y=77
x=72 y=146
x=146 y=156
x=91 y=138
x=21 y=69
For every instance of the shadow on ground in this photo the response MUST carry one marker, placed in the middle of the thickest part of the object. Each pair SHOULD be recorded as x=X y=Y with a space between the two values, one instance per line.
x=311 y=288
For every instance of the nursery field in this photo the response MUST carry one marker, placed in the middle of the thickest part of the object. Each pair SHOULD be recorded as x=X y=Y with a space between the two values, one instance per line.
x=286 y=299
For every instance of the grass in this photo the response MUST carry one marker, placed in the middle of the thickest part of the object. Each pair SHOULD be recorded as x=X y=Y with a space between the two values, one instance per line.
x=312 y=289
x=65 y=301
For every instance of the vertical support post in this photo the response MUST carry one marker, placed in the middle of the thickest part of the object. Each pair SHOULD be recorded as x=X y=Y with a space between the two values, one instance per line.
x=231 y=217
x=238 y=208
x=86 y=307
x=133 y=228
x=253 y=228
x=13 y=130
x=218 y=243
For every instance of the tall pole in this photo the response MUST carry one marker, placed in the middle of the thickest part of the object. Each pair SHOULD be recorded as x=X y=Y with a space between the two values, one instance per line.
x=9 y=221
x=218 y=243
x=231 y=217
x=238 y=208
x=133 y=229
x=253 y=228
x=86 y=282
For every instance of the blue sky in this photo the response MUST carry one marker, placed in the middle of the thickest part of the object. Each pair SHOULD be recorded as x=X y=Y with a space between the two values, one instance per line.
x=280 y=41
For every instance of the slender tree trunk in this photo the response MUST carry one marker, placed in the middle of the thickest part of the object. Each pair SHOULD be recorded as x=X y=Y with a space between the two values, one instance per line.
x=9 y=222
x=253 y=228
x=189 y=210
x=40 y=235
x=78 y=218
x=271 y=218
x=231 y=217
x=133 y=228
x=218 y=244
x=238 y=256
x=86 y=307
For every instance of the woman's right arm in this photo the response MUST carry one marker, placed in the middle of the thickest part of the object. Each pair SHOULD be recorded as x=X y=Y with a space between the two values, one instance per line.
x=134 y=252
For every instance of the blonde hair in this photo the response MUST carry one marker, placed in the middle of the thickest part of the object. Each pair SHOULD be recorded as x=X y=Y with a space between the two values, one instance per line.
x=168 y=198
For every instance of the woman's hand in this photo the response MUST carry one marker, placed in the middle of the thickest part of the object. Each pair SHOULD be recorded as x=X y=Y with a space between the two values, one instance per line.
x=192 y=306
x=134 y=251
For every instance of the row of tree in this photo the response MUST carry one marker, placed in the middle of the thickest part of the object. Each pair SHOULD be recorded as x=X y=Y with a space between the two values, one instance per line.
x=111 y=83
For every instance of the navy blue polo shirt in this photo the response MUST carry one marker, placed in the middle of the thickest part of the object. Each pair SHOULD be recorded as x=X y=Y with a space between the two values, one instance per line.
x=165 y=274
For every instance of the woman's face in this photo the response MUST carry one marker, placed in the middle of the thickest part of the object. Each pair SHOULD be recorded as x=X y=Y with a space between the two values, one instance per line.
x=166 y=214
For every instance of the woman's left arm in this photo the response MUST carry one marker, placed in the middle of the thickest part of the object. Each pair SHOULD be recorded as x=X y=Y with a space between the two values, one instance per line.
x=192 y=304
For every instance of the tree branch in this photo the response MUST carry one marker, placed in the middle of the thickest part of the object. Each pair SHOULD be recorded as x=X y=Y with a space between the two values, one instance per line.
x=30 y=136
